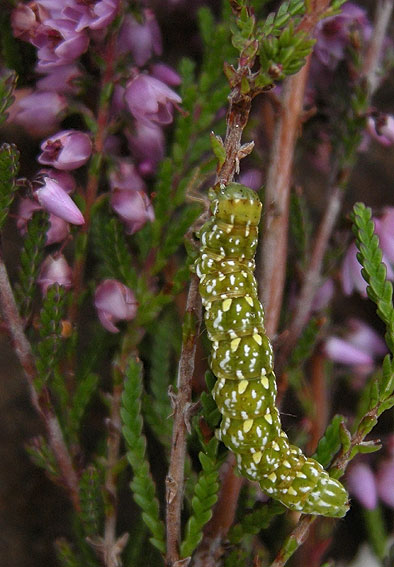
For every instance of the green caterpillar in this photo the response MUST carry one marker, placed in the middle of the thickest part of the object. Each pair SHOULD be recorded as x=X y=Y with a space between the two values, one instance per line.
x=242 y=361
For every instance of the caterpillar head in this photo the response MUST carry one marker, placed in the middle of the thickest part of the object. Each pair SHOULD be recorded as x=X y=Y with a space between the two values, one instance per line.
x=237 y=204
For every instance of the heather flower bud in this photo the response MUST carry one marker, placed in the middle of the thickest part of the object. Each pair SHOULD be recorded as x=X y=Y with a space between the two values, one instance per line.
x=62 y=79
x=58 y=228
x=142 y=40
x=114 y=302
x=381 y=129
x=385 y=482
x=133 y=207
x=94 y=15
x=65 y=179
x=55 y=200
x=66 y=150
x=151 y=100
x=39 y=112
x=362 y=485
x=59 y=44
x=147 y=146
x=340 y=350
x=55 y=270
x=166 y=74
x=125 y=177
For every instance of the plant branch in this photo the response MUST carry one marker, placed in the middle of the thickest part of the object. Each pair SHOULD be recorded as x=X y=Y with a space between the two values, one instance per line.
x=41 y=403
x=182 y=402
x=94 y=172
x=273 y=252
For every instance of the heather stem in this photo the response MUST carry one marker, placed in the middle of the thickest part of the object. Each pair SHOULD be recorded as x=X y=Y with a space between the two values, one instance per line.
x=175 y=476
x=94 y=173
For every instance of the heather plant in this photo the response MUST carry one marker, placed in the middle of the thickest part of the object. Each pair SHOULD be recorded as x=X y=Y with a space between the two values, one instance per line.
x=135 y=132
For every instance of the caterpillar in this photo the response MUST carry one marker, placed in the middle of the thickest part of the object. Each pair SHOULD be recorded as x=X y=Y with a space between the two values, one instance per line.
x=242 y=361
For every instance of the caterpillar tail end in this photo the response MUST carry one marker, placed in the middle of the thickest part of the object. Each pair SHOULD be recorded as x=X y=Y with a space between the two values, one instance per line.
x=329 y=498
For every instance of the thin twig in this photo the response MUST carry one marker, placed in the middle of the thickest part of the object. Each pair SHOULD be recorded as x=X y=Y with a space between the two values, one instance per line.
x=41 y=403
x=312 y=277
x=273 y=251
x=94 y=175
x=175 y=476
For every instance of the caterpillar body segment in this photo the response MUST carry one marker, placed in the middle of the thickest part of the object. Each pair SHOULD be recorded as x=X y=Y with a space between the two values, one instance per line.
x=242 y=361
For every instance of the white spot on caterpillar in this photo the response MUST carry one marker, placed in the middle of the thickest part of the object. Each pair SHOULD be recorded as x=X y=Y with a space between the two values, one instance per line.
x=247 y=425
x=242 y=386
x=287 y=464
x=235 y=344
x=275 y=446
x=272 y=477
x=300 y=474
x=249 y=300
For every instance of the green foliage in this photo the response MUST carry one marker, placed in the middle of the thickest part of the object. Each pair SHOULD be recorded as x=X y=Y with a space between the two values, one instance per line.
x=330 y=443
x=92 y=506
x=204 y=498
x=9 y=165
x=65 y=554
x=300 y=226
x=50 y=330
x=84 y=391
x=30 y=262
x=304 y=348
x=42 y=455
x=276 y=21
x=142 y=485
x=7 y=87
x=156 y=407
x=113 y=250
x=256 y=520
x=379 y=290
x=283 y=55
x=210 y=410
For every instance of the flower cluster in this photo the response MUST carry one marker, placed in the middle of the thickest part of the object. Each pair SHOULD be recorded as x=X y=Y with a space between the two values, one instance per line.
x=62 y=33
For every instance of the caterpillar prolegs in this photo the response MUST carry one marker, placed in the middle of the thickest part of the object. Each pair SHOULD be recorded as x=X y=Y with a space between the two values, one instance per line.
x=242 y=362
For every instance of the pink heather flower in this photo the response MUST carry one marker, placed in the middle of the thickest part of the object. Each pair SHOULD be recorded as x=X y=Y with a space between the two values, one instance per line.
x=95 y=15
x=125 y=177
x=165 y=74
x=323 y=296
x=351 y=273
x=114 y=302
x=147 y=146
x=342 y=351
x=39 y=112
x=59 y=44
x=55 y=200
x=142 y=40
x=363 y=337
x=65 y=179
x=62 y=79
x=385 y=482
x=68 y=149
x=381 y=129
x=151 y=100
x=26 y=20
x=384 y=228
x=252 y=178
x=333 y=34
x=58 y=228
x=133 y=207
x=361 y=484
x=55 y=270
